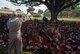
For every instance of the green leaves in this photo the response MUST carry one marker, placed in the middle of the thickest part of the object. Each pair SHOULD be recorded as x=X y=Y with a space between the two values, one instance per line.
x=30 y=9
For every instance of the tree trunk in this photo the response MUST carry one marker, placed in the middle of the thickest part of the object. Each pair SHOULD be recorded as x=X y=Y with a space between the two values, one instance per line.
x=54 y=15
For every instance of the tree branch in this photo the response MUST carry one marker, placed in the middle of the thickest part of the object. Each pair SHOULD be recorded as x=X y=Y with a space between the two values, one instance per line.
x=69 y=5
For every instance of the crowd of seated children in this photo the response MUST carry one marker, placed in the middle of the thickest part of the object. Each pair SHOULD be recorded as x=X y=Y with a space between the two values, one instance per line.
x=58 y=36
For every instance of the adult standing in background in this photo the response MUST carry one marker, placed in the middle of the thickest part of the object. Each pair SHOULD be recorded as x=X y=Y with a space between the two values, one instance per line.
x=15 y=39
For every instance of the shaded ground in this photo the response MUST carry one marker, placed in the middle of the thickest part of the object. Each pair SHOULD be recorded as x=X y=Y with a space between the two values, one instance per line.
x=3 y=50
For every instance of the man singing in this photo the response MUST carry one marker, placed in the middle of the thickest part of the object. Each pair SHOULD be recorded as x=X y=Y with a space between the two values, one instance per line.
x=15 y=39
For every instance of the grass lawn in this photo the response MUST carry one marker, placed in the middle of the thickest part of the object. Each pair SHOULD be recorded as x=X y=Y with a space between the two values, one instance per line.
x=65 y=19
x=70 y=19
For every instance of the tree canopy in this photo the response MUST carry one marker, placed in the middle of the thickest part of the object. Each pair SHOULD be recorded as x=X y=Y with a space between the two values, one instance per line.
x=30 y=9
x=18 y=10
x=40 y=11
x=54 y=6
